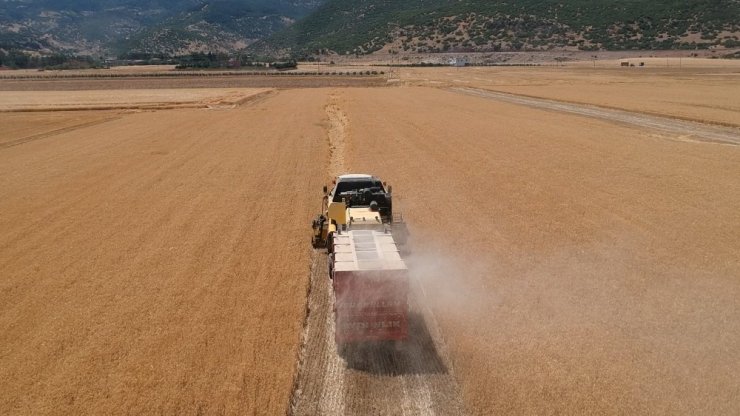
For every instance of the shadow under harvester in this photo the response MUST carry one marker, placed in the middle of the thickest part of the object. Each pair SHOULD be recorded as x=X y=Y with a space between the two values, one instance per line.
x=417 y=355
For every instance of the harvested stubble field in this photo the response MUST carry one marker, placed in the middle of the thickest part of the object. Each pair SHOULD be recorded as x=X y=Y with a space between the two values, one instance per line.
x=705 y=94
x=180 y=82
x=158 y=261
x=47 y=101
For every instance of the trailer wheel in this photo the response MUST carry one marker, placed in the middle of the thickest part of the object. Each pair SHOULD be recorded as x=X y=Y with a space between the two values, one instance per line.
x=329 y=242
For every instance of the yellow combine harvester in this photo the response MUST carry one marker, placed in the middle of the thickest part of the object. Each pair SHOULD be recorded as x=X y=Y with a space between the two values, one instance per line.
x=370 y=280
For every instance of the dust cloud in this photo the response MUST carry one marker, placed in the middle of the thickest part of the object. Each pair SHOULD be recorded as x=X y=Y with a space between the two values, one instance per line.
x=445 y=286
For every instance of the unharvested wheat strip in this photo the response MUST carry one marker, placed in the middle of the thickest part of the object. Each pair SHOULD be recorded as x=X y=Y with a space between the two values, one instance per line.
x=337 y=136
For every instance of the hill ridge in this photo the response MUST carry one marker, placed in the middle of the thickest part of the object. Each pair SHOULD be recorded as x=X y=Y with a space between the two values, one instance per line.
x=428 y=26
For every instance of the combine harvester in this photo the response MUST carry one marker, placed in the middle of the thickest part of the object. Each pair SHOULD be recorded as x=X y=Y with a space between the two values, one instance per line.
x=362 y=236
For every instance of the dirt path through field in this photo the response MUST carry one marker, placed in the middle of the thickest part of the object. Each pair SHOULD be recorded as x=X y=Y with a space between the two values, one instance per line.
x=682 y=130
x=410 y=379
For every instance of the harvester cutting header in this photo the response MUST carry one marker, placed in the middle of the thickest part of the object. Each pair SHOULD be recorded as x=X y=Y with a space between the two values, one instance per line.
x=362 y=235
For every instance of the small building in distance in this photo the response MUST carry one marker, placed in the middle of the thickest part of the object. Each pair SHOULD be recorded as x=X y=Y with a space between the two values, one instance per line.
x=458 y=62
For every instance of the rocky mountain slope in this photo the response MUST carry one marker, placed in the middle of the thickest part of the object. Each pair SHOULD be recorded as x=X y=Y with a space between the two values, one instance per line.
x=303 y=27
x=156 y=26
x=364 y=26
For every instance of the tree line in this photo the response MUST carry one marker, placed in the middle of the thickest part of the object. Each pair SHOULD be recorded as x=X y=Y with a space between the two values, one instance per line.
x=15 y=59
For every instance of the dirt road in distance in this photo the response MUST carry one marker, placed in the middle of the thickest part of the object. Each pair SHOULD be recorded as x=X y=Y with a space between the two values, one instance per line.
x=683 y=130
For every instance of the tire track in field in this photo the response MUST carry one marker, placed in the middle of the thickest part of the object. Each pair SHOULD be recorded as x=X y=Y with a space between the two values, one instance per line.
x=224 y=103
x=56 y=132
x=319 y=388
x=410 y=378
x=686 y=130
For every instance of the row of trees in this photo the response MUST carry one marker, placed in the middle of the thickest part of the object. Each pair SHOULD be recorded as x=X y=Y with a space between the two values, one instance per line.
x=215 y=60
x=22 y=60
x=210 y=60
x=16 y=59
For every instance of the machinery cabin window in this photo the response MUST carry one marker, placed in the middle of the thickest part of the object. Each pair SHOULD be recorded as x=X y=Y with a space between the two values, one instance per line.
x=354 y=185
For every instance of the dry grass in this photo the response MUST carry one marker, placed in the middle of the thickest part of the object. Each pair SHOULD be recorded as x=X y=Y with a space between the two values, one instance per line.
x=157 y=263
x=24 y=101
x=574 y=266
x=707 y=94
x=20 y=127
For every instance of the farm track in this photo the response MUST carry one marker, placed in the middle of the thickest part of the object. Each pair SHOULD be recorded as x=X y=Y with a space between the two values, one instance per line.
x=413 y=378
x=683 y=130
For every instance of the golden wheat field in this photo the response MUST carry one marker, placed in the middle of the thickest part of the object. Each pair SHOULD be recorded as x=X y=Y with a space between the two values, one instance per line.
x=155 y=254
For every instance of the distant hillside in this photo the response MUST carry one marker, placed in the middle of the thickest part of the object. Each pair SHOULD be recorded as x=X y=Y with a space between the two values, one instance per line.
x=364 y=26
x=300 y=27
x=156 y=26
x=223 y=25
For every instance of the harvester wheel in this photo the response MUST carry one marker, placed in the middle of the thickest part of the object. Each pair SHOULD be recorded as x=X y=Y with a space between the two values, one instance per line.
x=316 y=242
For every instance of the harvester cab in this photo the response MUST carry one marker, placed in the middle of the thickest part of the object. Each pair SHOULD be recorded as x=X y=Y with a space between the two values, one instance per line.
x=357 y=201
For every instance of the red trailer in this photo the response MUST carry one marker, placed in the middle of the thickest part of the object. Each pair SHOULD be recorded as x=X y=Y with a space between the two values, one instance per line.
x=371 y=287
